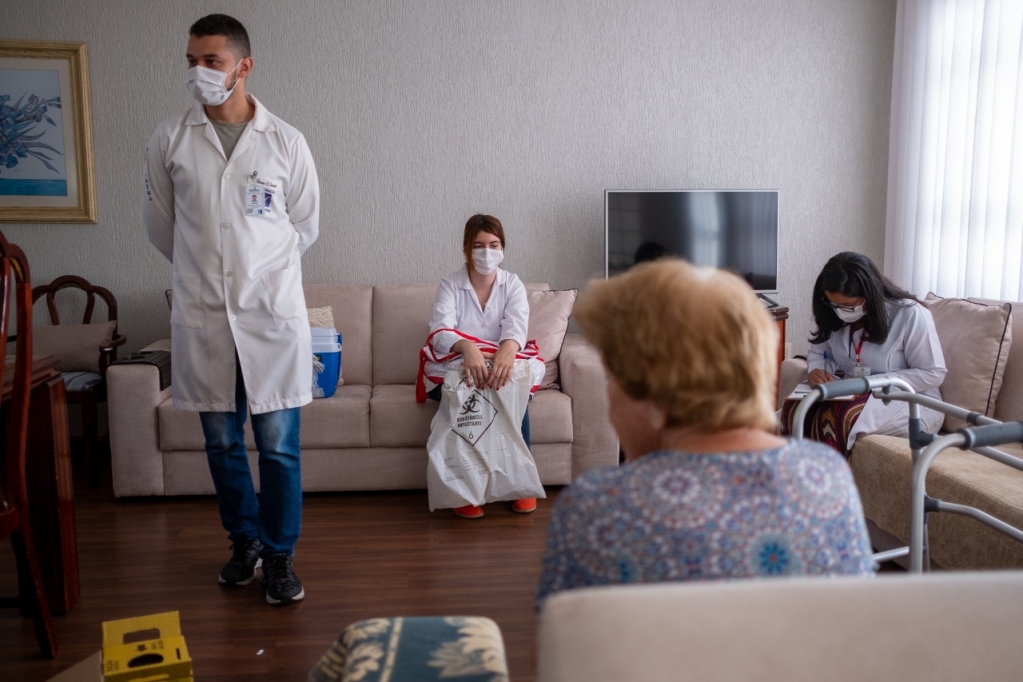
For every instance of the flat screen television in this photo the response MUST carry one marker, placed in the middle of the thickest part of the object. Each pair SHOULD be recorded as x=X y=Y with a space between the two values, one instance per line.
x=735 y=230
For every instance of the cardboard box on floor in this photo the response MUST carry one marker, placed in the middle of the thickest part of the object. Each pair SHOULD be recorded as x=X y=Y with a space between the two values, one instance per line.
x=142 y=649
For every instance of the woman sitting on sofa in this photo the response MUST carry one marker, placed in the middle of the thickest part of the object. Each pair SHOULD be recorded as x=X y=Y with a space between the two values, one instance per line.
x=707 y=491
x=866 y=326
x=482 y=301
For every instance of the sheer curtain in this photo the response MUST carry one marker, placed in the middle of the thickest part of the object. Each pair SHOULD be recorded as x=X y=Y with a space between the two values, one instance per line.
x=955 y=169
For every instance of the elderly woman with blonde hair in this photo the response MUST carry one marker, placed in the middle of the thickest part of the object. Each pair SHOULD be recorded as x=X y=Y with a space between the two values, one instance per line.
x=707 y=491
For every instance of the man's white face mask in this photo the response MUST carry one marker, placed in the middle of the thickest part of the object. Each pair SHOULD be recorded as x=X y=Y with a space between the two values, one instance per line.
x=207 y=85
x=487 y=260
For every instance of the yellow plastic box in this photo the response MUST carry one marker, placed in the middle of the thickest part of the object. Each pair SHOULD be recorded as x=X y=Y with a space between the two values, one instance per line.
x=145 y=649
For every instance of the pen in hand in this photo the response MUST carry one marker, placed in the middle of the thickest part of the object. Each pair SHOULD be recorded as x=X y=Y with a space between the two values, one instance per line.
x=821 y=376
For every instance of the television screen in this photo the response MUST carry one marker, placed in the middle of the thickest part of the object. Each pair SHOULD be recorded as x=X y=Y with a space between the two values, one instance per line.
x=736 y=230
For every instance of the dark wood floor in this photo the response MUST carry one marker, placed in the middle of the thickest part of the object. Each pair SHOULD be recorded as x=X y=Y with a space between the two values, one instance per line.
x=361 y=555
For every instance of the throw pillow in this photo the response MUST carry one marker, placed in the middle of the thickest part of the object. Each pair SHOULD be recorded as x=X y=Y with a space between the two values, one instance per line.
x=321 y=318
x=975 y=339
x=548 y=323
x=76 y=346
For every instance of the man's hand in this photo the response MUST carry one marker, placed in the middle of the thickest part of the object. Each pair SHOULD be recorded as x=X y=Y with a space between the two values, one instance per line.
x=475 y=364
x=504 y=360
x=819 y=376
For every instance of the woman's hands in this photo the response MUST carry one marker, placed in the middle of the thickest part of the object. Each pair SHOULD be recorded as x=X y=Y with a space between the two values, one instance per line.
x=476 y=372
x=504 y=360
x=819 y=376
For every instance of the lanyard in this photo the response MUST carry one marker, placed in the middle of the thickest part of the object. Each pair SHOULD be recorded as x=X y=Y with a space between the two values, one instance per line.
x=859 y=346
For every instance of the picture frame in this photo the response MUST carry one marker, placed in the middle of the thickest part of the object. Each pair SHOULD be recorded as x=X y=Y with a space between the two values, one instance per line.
x=47 y=170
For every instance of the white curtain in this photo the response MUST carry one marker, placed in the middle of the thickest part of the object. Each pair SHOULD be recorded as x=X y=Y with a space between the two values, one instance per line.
x=955 y=168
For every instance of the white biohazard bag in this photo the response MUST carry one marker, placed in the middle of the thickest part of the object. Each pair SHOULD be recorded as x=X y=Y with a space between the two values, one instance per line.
x=476 y=450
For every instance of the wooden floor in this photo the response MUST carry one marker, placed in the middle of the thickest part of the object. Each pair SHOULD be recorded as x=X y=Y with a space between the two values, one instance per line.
x=361 y=555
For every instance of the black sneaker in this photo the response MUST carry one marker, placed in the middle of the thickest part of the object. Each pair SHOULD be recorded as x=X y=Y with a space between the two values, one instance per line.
x=241 y=569
x=282 y=585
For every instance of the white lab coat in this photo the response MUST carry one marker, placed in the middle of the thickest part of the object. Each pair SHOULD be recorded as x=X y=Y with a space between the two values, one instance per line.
x=237 y=277
x=456 y=306
x=912 y=352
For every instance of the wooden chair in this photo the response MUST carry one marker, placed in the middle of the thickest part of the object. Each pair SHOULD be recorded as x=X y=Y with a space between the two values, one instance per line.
x=89 y=395
x=14 y=518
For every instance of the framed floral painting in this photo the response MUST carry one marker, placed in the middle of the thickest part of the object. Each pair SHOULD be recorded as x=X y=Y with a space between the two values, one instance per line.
x=46 y=163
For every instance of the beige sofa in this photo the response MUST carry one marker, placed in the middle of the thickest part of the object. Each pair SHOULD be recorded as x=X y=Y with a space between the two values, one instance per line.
x=982 y=342
x=371 y=434
x=958 y=628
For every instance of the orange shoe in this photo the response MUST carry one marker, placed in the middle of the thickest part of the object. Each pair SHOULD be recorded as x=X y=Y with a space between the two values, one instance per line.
x=527 y=505
x=469 y=511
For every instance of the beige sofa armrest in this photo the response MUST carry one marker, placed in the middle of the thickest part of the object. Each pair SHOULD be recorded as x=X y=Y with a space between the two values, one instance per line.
x=911 y=628
x=133 y=394
x=792 y=373
x=583 y=379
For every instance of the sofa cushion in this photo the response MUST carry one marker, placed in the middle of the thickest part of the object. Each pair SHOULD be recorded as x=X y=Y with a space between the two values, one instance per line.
x=396 y=419
x=548 y=323
x=1010 y=399
x=401 y=323
x=341 y=421
x=550 y=417
x=76 y=346
x=352 y=308
x=975 y=339
x=882 y=466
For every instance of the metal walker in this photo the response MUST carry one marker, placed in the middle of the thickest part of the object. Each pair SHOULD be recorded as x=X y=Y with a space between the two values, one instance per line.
x=925 y=447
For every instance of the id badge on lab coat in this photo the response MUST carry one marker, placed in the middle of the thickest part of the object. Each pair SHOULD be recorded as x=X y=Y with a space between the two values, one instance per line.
x=259 y=200
x=860 y=371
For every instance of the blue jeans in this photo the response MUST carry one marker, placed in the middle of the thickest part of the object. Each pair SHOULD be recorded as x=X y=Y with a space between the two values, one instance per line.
x=276 y=516
x=435 y=395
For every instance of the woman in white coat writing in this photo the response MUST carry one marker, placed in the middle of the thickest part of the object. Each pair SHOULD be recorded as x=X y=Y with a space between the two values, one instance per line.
x=867 y=326
x=485 y=302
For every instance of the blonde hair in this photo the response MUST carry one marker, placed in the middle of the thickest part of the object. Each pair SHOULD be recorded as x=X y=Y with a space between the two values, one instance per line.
x=694 y=341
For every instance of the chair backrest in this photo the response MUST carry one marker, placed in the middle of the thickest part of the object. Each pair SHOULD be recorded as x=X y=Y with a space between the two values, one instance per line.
x=963 y=626
x=17 y=374
x=74 y=282
x=108 y=351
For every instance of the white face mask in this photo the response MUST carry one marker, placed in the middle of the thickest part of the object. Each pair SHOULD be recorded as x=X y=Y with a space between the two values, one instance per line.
x=207 y=85
x=487 y=260
x=850 y=316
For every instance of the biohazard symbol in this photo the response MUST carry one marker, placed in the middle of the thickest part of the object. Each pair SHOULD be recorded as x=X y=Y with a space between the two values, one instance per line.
x=471 y=406
x=474 y=418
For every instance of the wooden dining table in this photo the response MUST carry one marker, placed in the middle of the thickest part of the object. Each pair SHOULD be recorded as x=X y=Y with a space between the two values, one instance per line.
x=51 y=502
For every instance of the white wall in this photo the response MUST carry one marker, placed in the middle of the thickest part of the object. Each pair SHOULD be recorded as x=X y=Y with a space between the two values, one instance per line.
x=423 y=112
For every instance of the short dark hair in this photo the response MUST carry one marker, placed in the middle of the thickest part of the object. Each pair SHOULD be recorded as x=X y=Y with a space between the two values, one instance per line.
x=227 y=26
x=854 y=275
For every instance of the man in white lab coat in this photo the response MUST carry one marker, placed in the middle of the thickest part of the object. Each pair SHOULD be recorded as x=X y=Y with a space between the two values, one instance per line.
x=231 y=198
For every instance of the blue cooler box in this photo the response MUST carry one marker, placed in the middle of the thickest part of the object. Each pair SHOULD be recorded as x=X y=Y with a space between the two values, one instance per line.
x=326 y=355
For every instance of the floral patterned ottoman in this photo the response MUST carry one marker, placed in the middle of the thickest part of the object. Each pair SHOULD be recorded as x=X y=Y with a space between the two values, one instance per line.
x=464 y=648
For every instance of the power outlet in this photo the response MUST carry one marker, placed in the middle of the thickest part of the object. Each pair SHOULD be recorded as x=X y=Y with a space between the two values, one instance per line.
x=788 y=351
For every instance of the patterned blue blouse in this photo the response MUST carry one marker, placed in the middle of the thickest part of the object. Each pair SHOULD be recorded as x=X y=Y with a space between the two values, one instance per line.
x=673 y=516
